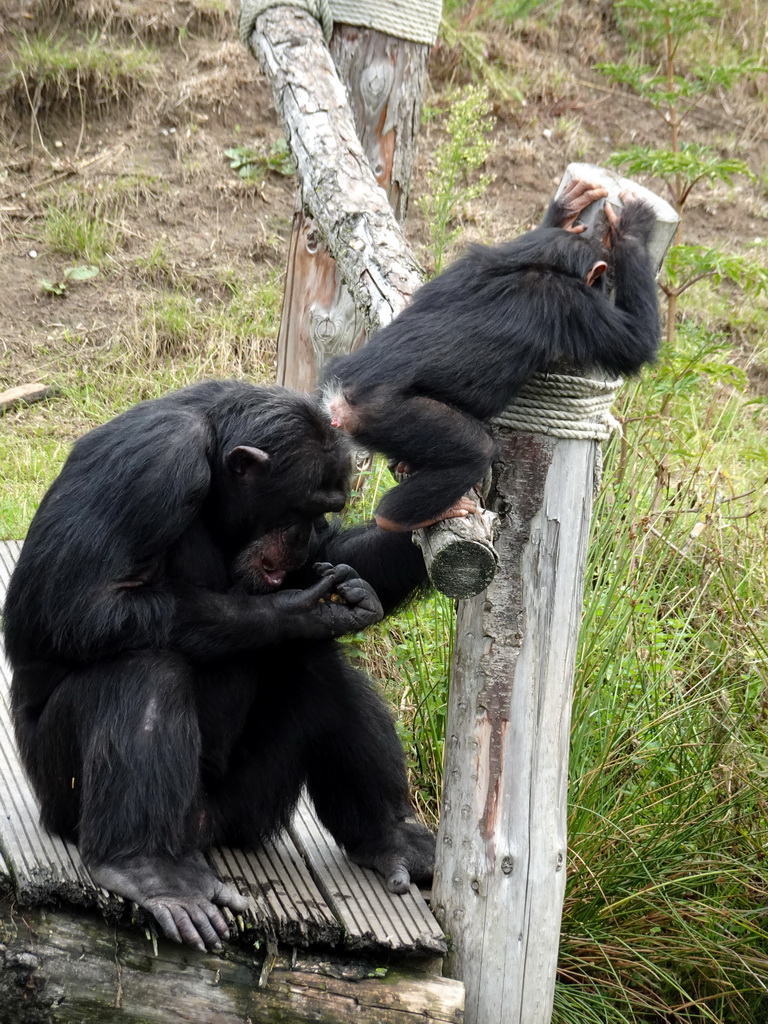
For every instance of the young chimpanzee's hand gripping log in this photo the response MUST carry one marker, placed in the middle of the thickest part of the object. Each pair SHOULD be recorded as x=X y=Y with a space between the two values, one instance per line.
x=171 y=632
x=421 y=387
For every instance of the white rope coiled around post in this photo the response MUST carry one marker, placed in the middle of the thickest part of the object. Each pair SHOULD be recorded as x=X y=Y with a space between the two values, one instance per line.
x=415 y=20
x=562 y=405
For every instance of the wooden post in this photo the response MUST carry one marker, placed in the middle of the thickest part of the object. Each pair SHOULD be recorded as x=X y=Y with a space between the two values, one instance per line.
x=501 y=852
x=500 y=876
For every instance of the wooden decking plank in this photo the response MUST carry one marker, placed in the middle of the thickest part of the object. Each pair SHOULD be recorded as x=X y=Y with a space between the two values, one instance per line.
x=369 y=913
x=286 y=905
x=44 y=866
x=9 y=553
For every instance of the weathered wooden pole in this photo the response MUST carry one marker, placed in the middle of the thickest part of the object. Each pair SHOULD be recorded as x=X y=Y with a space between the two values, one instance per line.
x=500 y=878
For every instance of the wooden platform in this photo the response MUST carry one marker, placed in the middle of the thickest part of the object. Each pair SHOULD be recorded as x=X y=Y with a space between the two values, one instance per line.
x=302 y=890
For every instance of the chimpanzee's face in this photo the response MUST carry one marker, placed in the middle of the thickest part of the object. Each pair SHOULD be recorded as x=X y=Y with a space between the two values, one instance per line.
x=271 y=489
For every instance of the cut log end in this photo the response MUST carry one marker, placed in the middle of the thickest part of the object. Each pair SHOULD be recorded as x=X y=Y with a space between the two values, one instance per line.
x=459 y=554
x=463 y=569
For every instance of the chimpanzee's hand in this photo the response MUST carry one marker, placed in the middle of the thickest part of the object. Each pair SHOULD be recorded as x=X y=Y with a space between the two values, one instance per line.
x=577 y=195
x=340 y=602
x=636 y=221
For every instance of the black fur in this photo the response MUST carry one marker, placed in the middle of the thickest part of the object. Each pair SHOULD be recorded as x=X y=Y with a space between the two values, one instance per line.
x=175 y=679
x=474 y=335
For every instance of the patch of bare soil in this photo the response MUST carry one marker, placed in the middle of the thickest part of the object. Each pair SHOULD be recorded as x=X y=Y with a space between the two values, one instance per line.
x=139 y=150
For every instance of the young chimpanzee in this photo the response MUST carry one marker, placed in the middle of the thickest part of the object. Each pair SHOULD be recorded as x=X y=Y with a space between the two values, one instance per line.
x=170 y=627
x=420 y=388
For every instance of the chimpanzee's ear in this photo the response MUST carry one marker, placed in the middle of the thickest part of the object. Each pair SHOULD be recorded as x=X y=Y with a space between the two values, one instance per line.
x=244 y=459
x=597 y=271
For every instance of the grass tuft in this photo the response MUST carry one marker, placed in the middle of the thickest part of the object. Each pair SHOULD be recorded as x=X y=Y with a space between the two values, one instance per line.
x=48 y=73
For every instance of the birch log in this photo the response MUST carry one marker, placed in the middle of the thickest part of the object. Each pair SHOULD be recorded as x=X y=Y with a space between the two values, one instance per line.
x=384 y=79
x=337 y=185
x=500 y=876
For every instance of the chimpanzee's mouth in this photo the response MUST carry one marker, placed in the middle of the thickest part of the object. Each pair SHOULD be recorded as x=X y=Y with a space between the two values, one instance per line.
x=271 y=576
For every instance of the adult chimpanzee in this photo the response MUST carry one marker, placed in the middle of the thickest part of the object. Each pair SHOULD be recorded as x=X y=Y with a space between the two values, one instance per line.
x=170 y=627
x=420 y=388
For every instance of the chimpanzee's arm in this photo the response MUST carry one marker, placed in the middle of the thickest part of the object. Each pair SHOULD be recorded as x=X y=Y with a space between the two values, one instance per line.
x=587 y=329
x=207 y=625
x=390 y=562
x=636 y=311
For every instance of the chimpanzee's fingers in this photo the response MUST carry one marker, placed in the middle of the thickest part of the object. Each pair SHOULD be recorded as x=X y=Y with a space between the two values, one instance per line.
x=463 y=507
x=210 y=925
x=359 y=594
x=340 y=572
x=165 y=919
x=577 y=187
x=324 y=586
x=226 y=895
x=577 y=196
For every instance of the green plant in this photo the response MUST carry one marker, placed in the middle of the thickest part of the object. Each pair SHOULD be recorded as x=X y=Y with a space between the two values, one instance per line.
x=668 y=822
x=673 y=85
x=450 y=182
x=81 y=226
x=48 y=71
x=254 y=165
x=71 y=274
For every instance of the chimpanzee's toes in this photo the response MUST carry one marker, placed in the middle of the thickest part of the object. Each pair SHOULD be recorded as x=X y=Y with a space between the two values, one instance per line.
x=399 y=881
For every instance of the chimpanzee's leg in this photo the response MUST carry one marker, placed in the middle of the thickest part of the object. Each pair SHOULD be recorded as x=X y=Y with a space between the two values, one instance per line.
x=316 y=720
x=357 y=779
x=118 y=751
x=255 y=778
x=448 y=452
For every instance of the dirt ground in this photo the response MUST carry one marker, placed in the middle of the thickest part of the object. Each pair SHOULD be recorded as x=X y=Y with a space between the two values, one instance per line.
x=147 y=155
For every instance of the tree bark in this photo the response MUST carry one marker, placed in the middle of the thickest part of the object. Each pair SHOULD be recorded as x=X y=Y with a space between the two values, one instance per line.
x=384 y=78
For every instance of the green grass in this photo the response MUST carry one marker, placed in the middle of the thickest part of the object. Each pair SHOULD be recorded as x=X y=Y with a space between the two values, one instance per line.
x=47 y=71
x=77 y=232
x=668 y=828
x=233 y=335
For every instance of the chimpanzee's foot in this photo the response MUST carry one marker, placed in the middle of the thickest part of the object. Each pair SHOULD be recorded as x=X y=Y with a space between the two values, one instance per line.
x=407 y=856
x=463 y=507
x=183 y=895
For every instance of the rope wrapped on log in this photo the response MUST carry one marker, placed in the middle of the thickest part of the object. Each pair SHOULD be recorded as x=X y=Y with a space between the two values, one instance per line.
x=562 y=405
x=415 y=20
x=459 y=553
